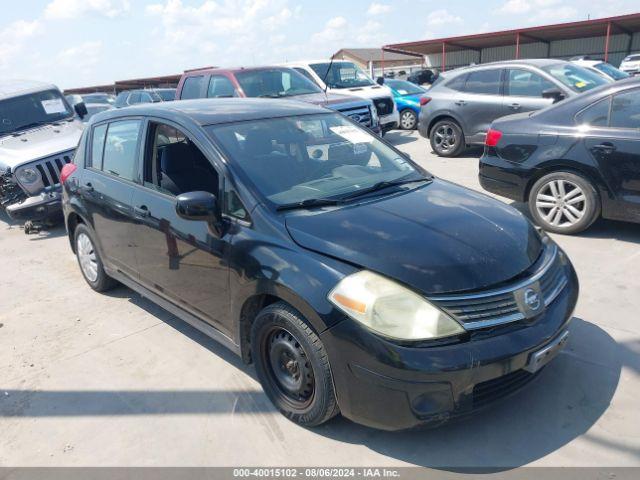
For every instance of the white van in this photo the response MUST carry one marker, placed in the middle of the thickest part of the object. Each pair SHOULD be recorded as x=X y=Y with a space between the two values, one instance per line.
x=347 y=78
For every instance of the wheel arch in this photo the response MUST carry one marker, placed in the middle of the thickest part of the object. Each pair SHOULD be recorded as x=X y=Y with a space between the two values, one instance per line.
x=444 y=116
x=576 y=168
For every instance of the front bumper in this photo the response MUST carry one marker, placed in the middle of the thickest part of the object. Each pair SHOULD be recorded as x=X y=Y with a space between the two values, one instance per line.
x=389 y=122
x=384 y=385
x=44 y=206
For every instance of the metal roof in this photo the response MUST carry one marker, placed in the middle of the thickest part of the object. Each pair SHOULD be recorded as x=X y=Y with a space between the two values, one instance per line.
x=375 y=54
x=547 y=33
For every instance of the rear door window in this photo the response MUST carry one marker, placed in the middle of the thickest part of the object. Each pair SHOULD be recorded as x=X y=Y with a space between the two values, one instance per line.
x=220 y=87
x=484 y=82
x=524 y=83
x=625 y=110
x=457 y=83
x=121 y=149
x=192 y=87
x=595 y=115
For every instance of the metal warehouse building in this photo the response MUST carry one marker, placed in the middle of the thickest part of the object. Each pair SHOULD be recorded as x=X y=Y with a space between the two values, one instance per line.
x=610 y=38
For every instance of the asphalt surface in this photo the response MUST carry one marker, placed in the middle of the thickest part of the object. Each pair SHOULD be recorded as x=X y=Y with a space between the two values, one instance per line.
x=113 y=380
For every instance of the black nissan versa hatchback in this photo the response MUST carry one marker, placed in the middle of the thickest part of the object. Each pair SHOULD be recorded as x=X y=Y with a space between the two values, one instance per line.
x=354 y=281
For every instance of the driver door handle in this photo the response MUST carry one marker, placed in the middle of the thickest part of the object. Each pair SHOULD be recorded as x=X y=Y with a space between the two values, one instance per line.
x=514 y=106
x=141 y=211
x=460 y=103
x=605 y=147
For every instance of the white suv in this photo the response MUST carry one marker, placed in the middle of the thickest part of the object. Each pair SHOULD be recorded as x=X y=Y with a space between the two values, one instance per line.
x=348 y=79
x=631 y=64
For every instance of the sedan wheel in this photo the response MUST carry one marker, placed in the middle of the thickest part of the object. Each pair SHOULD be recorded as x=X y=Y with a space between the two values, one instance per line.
x=87 y=257
x=408 y=120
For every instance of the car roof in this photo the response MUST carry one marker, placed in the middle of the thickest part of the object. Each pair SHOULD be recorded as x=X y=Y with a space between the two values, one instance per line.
x=213 y=111
x=192 y=73
x=16 y=87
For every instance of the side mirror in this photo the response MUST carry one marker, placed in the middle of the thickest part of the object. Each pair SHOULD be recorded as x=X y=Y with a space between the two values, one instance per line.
x=200 y=206
x=81 y=109
x=380 y=80
x=554 y=94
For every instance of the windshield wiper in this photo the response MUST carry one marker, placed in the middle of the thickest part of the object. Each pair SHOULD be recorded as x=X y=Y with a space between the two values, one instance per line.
x=309 y=203
x=382 y=185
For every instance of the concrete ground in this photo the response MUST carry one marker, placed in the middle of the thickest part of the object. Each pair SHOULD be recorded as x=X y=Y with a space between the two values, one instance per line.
x=95 y=380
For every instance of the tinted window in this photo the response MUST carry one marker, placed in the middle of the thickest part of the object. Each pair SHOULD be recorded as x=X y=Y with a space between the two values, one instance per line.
x=27 y=111
x=276 y=82
x=524 y=83
x=596 y=115
x=134 y=98
x=145 y=98
x=120 y=149
x=167 y=95
x=306 y=74
x=456 y=83
x=97 y=146
x=625 y=110
x=485 y=82
x=220 y=86
x=575 y=77
x=192 y=87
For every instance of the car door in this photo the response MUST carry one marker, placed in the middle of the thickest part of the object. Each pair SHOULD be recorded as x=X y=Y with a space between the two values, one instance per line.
x=107 y=187
x=479 y=102
x=182 y=260
x=615 y=147
x=523 y=91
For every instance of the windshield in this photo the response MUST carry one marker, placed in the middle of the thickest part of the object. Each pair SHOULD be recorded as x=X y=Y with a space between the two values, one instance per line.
x=166 y=95
x=404 y=88
x=575 y=77
x=342 y=75
x=275 y=83
x=19 y=113
x=611 y=71
x=310 y=157
x=99 y=98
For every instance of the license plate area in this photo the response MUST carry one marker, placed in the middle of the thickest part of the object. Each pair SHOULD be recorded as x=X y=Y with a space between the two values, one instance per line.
x=539 y=359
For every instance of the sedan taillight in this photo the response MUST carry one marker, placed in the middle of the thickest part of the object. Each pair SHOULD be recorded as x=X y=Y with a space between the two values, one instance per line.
x=493 y=137
x=424 y=100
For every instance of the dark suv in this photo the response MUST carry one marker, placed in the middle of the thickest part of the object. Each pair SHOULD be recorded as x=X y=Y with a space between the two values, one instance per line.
x=354 y=281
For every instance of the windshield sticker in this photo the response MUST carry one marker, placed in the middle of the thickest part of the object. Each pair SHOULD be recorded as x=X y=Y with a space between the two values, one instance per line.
x=352 y=134
x=53 y=106
x=581 y=84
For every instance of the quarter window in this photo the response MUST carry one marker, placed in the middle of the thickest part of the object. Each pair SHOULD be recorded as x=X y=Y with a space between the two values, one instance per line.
x=457 y=83
x=97 y=146
x=192 y=87
x=625 y=110
x=486 y=82
x=523 y=83
x=220 y=87
x=596 y=115
x=120 y=149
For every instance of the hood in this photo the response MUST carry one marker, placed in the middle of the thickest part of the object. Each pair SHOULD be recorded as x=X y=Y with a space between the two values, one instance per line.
x=332 y=100
x=439 y=238
x=371 y=91
x=40 y=142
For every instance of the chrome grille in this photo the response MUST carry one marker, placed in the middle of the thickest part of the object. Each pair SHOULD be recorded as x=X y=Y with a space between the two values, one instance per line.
x=362 y=115
x=496 y=307
x=50 y=167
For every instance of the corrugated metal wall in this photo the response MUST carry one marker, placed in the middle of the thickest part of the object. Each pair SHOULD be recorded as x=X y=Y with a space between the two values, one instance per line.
x=619 y=47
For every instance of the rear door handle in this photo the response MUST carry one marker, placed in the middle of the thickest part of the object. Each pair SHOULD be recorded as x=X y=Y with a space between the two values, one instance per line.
x=514 y=106
x=605 y=147
x=141 y=211
x=460 y=103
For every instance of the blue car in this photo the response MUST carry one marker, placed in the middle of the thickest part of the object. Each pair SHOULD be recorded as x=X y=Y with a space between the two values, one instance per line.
x=407 y=97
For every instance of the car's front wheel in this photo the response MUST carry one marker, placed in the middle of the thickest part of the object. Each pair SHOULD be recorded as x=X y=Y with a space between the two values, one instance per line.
x=292 y=365
x=446 y=138
x=564 y=202
x=408 y=119
x=89 y=260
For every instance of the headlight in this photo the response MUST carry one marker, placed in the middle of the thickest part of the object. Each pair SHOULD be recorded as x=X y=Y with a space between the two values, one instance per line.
x=28 y=176
x=391 y=309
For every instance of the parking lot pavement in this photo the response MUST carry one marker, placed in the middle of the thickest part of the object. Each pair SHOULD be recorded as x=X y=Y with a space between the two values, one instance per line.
x=90 y=379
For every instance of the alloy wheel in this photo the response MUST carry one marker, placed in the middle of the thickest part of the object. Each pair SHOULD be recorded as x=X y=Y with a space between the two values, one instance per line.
x=445 y=138
x=408 y=120
x=87 y=257
x=561 y=203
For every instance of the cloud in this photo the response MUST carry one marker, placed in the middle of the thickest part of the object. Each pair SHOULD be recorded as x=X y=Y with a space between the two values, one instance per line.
x=68 y=9
x=518 y=7
x=334 y=31
x=442 y=17
x=14 y=37
x=378 y=8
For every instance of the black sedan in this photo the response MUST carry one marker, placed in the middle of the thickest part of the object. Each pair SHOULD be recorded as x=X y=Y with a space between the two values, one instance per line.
x=354 y=281
x=572 y=162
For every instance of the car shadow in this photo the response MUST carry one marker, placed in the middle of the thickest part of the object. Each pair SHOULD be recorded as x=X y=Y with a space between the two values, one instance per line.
x=563 y=403
x=400 y=137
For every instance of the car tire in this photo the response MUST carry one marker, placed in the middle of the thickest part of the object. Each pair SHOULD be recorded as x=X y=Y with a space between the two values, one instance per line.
x=564 y=202
x=447 y=138
x=89 y=260
x=293 y=366
x=408 y=119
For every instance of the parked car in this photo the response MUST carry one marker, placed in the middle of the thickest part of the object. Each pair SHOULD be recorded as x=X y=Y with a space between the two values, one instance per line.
x=631 y=64
x=354 y=281
x=603 y=68
x=39 y=132
x=458 y=110
x=349 y=79
x=149 y=95
x=93 y=108
x=407 y=97
x=573 y=162
x=422 y=77
x=272 y=82
x=99 y=98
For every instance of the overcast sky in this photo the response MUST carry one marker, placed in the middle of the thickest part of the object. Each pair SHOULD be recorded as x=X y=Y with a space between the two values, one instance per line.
x=86 y=42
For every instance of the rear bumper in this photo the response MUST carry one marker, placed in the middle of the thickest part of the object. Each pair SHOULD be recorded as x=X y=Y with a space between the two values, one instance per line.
x=384 y=385
x=37 y=208
x=504 y=178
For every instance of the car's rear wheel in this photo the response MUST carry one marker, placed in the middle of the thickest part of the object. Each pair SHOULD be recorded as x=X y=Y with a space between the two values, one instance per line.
x=564 y=202
x=408 y=119
x=292 y=365
x=447 y=139
x=90 y=262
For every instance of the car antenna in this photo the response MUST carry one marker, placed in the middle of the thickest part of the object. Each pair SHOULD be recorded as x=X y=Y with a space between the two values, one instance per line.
x=326 y=74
